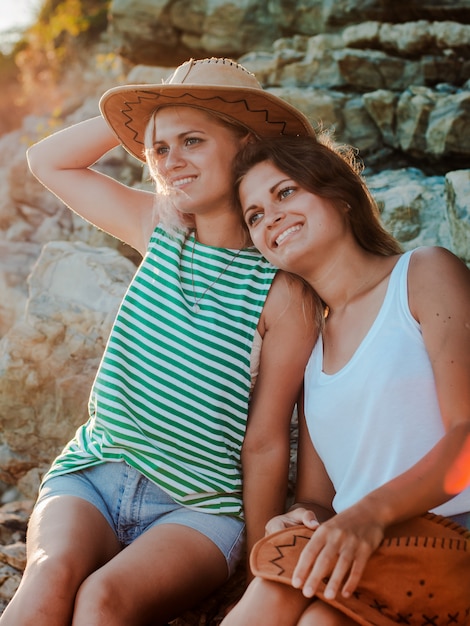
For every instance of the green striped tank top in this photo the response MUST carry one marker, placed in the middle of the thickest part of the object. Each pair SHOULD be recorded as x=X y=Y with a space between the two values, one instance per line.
x=171 y=394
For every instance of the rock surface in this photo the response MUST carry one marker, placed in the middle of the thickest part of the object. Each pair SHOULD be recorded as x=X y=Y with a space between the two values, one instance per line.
x=393 y=79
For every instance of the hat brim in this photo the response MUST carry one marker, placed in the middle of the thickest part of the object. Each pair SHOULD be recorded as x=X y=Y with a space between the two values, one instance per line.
x=127 y=109
x=422 y=562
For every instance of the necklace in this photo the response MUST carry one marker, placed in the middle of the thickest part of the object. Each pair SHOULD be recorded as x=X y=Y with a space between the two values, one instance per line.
x=196 y=307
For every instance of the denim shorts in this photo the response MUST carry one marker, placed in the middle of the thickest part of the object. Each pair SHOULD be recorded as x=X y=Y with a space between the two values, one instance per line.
x=131 y=503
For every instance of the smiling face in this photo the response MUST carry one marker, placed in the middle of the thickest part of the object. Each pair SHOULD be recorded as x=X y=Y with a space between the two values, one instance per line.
x=193 y=154
x=289 y=225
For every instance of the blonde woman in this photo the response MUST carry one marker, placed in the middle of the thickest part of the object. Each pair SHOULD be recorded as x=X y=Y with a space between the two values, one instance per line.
x=144 y=511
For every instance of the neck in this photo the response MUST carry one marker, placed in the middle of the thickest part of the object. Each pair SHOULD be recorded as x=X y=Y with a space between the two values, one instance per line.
x=222 y=232
x=341 y=282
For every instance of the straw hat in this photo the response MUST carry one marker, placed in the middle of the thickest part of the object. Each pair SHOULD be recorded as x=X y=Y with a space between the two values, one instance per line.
x=215 y=84
x=420 y=574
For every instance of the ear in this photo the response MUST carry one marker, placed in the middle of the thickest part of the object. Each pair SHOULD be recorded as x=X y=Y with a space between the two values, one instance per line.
x=249 y=138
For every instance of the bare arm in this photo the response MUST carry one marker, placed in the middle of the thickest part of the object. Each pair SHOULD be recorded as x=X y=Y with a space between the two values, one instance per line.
x=62 y=162
x=287 y=343
x=314 y=491
x=439 y=295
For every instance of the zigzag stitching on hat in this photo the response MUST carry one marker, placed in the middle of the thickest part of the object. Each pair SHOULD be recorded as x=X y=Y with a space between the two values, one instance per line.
x=264 y=112
x=282 y=555
x=150 y=96
x=129 y=108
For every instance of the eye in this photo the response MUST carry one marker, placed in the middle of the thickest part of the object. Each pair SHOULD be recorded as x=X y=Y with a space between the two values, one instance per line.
x=192 y=141
x=253 y=218
x=285 y=192
x=161 y=150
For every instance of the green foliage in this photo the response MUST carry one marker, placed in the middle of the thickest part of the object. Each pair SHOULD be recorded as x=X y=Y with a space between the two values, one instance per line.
x=63 y=26
x=70 y=17
x=60 y=38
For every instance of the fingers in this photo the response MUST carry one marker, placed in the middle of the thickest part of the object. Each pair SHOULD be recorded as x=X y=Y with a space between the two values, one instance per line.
x=277 y=523
x=340 y=570
x=293 y=518
x=333 y=557
x=355 y=575
x=308 y=519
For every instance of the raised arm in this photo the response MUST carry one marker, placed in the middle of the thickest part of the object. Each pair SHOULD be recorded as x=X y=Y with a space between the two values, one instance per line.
x=63 y=163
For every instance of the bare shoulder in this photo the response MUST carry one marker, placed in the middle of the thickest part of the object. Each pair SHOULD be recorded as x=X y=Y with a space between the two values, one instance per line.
x=437 y=279
x=436 y=264
x=291 y=300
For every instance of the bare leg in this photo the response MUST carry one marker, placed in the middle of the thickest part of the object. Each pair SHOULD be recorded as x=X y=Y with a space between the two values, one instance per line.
x=67 y=539
x=266 y=602
x=320 y=613
x=162 y=573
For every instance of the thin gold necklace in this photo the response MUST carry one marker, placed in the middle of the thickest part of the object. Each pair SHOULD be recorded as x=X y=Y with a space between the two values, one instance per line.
x=196 y=301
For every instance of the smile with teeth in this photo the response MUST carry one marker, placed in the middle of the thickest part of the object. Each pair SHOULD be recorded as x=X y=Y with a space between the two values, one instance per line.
x=183 y=181
x=284 y=234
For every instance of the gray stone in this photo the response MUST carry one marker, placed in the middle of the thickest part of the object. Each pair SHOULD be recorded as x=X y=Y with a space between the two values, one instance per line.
x=457 y=187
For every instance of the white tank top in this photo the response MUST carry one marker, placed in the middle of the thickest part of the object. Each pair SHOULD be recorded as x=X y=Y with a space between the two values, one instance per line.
x=378 y=415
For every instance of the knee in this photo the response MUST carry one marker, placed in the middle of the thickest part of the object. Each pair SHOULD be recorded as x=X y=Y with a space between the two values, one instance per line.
x=266 y=601
x=57 y=572
x=97 y=595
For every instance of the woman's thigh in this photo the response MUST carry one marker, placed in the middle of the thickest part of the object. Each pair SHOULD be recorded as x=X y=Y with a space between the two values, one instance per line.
x=69 y=527
x=167 y=570
x=67 y=539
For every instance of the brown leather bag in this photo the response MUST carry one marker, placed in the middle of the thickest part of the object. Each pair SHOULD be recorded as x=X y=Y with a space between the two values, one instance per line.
x=418 y=576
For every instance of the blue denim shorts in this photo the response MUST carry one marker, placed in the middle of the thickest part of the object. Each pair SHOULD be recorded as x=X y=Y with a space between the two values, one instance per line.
x=132 y=504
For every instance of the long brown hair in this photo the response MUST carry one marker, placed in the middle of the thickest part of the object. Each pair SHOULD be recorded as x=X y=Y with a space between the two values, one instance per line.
x=329 y=171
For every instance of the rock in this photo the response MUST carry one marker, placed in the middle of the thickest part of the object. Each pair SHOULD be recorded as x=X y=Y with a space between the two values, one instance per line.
x=457 y=189
x=16 y=261
x=13 y=521
x=412 y=206
x=171 y=32
x=14 y=554
x=48 y=359
x=431 y=124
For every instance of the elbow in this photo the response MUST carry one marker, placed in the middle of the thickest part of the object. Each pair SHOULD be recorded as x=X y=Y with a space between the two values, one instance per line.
x=33 y=159
x=258 y=451
x=41 y=163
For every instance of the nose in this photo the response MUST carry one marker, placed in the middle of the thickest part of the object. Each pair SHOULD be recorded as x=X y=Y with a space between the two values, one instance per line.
x=174 y=158
x=274 y=217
